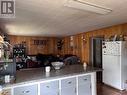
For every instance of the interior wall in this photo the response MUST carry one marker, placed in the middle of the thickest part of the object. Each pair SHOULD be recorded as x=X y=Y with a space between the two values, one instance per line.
x=33 y=49
x=81 y=41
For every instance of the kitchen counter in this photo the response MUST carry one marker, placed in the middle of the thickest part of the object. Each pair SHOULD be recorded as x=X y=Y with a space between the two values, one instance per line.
x=38 y=74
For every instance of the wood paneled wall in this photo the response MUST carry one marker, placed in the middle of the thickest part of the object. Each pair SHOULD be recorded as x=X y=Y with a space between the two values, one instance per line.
x=82 y=41
x=33 y=49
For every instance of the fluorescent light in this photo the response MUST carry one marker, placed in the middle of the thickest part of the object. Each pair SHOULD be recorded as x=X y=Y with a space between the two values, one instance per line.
x=80 y=4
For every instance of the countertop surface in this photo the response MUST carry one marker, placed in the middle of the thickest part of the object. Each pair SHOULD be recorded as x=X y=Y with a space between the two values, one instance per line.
x=38 y=74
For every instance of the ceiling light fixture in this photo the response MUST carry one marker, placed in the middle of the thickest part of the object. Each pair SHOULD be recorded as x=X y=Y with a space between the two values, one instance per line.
x=83 y=5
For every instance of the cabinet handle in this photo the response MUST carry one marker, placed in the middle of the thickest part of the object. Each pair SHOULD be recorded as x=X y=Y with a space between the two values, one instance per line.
x=47 y=86
x=75 y=90
x=85 y=79
x=69 y=82
x=90 y=86
x=26 y=91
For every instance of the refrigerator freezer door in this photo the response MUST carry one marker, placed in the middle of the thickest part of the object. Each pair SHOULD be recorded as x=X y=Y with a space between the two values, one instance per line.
x=112 y=71
x=111 y=48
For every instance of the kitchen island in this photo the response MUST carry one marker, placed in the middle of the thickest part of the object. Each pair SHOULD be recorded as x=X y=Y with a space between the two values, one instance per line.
x=69 y=80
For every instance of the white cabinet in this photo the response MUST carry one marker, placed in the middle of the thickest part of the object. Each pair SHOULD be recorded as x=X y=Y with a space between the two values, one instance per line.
x=75 y=85
x=26 y=90
x=49 y=88
x=68 y=86
x=84 y=85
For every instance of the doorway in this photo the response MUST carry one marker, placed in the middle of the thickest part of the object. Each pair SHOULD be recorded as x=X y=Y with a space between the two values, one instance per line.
x=96 y=55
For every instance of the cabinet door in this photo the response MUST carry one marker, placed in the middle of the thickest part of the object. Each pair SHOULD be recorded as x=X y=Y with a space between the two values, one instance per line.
x=26 y=90
x=49 y=88
x=68 y=86
x=84 y=85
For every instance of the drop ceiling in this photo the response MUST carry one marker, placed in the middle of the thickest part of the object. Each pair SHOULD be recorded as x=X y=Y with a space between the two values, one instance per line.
x=52 y=18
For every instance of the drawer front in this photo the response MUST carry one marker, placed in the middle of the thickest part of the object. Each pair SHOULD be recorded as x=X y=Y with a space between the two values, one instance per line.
x=26 y=90
x=84 y=79
x=69 y=82
x=50 y=85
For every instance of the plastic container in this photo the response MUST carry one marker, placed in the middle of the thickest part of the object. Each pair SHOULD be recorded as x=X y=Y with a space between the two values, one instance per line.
x=47 y=69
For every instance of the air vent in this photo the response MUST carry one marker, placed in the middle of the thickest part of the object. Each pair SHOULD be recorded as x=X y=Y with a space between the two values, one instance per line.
x=83 y=5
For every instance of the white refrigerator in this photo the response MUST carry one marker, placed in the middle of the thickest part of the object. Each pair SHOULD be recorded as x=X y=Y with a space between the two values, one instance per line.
x=114 y=58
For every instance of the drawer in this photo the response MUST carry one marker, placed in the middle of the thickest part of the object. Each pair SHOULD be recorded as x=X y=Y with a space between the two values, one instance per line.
x=69 y=82
x=49 y=85
x=84 y=79
x=26 y=90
